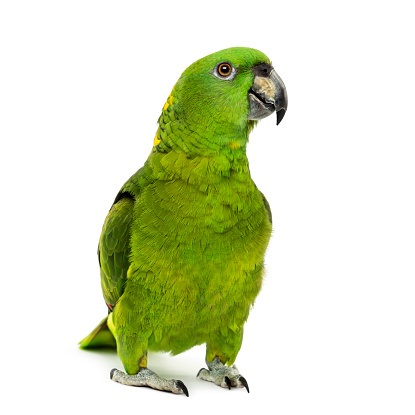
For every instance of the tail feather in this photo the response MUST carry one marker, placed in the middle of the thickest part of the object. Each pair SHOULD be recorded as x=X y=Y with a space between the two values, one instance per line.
x=101 y=336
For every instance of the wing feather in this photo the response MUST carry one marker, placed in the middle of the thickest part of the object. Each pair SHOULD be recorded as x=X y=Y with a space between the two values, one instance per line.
x=267 y=207
x=114 y=249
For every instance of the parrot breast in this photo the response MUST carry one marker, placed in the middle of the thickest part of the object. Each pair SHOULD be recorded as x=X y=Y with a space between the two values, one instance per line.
x=198 y=241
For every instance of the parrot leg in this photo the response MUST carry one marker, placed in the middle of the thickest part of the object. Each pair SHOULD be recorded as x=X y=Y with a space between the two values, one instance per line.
x=146 y=377
x=222 y=375
x=133 y=354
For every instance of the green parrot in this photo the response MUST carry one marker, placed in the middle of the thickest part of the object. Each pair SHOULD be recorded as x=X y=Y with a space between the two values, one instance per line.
x=181 y=252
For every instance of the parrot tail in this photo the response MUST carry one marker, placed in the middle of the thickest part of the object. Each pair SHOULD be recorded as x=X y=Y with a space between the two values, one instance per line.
x=101 y=336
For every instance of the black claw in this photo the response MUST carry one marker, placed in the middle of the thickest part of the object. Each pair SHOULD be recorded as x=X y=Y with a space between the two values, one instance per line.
x=244 y=382
x=112 y=373
x=198 y=373
x=181 y=385
x=228 y=382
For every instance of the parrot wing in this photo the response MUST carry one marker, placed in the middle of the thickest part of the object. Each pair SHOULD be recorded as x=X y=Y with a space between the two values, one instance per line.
x=114 y=250
x=114 y=244
x=267 y=207
x=113 y=256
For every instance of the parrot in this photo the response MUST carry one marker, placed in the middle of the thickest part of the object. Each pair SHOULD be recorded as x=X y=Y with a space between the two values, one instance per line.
x=181 y=253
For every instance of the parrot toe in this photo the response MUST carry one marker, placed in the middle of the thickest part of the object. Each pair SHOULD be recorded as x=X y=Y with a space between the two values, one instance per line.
x=146 y=377
x=222 y=375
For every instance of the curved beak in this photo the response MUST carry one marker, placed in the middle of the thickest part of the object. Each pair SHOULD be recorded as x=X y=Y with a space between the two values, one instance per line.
x=267 y=94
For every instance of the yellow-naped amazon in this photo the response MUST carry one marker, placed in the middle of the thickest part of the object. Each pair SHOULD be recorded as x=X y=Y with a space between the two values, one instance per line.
x=182 y=249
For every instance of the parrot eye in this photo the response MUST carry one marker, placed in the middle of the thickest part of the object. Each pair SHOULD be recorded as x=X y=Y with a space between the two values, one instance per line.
x=224 y=70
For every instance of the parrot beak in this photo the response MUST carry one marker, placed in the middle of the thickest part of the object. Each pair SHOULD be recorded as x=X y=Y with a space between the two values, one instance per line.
x=267 y=94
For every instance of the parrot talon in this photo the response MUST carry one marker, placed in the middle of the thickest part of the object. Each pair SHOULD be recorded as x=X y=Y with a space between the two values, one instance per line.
x=222 y=375
x=198 y=373
x=112 y=373
x=182 y=386
x=244 y=383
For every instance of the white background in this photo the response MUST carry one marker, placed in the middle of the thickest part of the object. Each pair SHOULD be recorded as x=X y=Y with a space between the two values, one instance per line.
x=82 y=85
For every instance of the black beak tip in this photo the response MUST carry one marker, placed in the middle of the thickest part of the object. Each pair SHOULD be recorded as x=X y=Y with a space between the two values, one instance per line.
x=280 y=115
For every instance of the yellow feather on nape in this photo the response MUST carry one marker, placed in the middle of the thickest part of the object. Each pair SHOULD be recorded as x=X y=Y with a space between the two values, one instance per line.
x=157 y=141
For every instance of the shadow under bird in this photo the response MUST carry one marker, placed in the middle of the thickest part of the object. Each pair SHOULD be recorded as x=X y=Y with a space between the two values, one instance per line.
x=181 y=252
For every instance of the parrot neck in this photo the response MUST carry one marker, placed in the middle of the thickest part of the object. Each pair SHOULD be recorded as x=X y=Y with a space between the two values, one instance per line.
x=201 y=133
x=203 y=141
x=206 y=169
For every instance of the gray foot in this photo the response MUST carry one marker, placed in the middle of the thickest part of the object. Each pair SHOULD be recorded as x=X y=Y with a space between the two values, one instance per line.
x=222 y=375
x=146 y=377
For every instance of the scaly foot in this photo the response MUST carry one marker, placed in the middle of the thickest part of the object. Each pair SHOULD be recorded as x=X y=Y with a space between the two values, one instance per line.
x=146 y=377
x=222 y=375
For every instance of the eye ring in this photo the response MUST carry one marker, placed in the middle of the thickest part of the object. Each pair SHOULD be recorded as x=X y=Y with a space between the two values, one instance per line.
x=224 y=70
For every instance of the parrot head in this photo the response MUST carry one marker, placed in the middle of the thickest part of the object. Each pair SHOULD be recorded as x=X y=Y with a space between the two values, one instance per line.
x=223 y=95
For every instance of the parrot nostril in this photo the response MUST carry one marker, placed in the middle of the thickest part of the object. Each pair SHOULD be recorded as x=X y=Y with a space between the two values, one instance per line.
x=262 y=70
